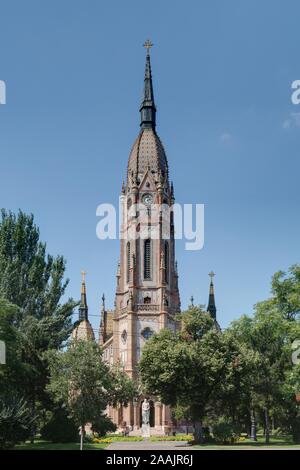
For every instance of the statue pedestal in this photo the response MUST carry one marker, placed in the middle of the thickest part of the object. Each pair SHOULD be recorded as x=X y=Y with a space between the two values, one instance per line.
x=145 y=430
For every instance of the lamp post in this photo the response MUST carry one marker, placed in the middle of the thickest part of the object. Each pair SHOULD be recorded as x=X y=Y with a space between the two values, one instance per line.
x=253 y=426
x=2 y=352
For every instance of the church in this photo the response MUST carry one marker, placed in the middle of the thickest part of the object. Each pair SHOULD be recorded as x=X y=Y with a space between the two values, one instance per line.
x=147 y=295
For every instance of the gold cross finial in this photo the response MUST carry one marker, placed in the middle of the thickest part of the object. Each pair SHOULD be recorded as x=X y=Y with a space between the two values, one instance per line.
x=212 y=275
x=148 y=44
x=83 y=273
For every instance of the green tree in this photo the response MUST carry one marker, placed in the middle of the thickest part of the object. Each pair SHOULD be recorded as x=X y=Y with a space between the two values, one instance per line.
x=269 y=333
x=199 y=370
x=185 y=369
x=241 y=366
x=13 y=373
x=286 y=292
x=33 y=281
x=84 y=383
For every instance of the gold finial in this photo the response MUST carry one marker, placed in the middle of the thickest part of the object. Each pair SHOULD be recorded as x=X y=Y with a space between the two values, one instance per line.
x=148 y=44
x=83 y=273
x=212 y=275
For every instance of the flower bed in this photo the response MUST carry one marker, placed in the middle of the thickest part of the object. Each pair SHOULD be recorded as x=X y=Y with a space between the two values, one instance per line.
x=179 y=437
x=110 y=439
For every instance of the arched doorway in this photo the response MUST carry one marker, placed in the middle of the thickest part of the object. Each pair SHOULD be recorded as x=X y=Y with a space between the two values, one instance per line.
x=152 y=414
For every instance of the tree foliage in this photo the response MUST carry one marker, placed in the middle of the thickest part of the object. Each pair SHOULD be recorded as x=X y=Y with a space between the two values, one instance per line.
x=33 y=318
x=84 y=383
x=16 y=421
x=192 y=369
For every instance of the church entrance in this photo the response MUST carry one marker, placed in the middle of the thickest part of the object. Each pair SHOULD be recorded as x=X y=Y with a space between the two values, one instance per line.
x=152 y=414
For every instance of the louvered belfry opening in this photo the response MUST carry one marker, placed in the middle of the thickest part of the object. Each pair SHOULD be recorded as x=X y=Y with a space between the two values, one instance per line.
x=128 y=262
x=167 y=262
x=147 y=259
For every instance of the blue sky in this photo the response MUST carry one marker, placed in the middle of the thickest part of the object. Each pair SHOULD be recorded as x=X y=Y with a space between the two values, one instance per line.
x=222 y=81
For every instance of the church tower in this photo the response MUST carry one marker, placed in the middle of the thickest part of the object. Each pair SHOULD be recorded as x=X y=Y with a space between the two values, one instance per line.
x=83 y=329
x=211 y=306
x=147 y=295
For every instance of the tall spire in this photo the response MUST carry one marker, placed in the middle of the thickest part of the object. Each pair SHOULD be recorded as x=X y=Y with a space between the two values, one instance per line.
x=148 y=109
x=211 y=308
x=83 y=308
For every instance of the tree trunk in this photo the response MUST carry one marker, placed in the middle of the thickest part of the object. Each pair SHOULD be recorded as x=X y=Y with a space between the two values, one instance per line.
x=33 y=407
x=81 y=437
x=273 y=425
x=267 y=425
x=198 y=432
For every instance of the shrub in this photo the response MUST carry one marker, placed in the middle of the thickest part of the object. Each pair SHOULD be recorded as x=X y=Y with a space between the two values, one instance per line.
x=16 y=421
x=278 y=432
x=103 y=425
x=225 y=432
x=60 y=428
x=109 y=439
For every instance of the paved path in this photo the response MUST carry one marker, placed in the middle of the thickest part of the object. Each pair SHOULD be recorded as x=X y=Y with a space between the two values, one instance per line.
x=148 y=445
x=178 y=446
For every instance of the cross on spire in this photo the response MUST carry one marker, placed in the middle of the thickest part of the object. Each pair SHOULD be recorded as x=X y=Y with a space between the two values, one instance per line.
x=212 y=275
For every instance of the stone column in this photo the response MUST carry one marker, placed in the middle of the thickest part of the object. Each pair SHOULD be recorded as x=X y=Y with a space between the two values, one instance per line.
x=166 y=418
x=135 y=414
x=158 y=410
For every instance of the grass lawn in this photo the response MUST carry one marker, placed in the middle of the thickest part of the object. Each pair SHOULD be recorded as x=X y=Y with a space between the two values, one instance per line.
x=282 y=442
x=44 y=445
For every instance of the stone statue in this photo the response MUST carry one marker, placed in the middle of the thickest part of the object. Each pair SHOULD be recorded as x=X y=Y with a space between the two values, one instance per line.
x=146 y=411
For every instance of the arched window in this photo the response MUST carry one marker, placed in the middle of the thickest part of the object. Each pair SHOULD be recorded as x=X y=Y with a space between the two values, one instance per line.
x=147 y=259
x=128 y=262
x=167 y=261
x=147 y=300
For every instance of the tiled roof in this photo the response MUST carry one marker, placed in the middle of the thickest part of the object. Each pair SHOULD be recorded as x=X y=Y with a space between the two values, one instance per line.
x=147 y=152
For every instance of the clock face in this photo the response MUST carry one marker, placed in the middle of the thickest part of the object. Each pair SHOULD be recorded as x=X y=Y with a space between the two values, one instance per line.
x=147 y=199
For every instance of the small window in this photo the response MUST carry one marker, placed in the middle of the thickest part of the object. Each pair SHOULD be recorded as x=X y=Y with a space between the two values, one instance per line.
x=147 y=300
x=147 y=333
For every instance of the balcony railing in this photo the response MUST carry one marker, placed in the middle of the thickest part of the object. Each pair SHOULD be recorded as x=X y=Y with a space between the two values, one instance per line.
x=147 y=307
x=142 y=308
